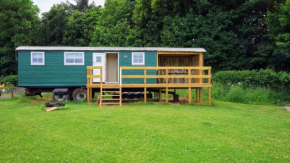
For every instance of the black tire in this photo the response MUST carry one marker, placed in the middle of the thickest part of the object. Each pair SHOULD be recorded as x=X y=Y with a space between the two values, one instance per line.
x=79 y=94
x=59 y=97
x=54 y=104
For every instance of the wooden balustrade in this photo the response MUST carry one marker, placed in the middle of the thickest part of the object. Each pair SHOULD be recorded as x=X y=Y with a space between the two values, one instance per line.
x=195 y=77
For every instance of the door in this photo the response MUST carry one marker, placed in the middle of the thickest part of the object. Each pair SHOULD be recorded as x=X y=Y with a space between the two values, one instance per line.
x=99 y=59
x=112 y=68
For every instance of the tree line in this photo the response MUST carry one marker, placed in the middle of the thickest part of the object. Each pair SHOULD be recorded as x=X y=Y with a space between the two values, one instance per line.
x=237 y=34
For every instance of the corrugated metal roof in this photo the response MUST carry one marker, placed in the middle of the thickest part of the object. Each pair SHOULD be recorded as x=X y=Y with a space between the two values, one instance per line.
x=109 y=48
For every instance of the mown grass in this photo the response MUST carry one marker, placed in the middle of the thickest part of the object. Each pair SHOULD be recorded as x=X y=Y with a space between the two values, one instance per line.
x=224 y=132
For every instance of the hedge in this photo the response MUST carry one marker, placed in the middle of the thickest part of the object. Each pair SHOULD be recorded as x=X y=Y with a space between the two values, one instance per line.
x=260 y=78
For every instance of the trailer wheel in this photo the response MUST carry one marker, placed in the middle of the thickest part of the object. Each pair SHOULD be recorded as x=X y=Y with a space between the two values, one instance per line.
x=59 y=97
x=79 y=94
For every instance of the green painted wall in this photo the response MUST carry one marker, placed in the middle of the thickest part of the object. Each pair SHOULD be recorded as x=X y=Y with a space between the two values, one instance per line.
x=150 y=60
x=55 y=73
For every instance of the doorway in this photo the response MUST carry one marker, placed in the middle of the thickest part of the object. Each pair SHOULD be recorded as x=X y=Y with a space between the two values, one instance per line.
x=112 y=68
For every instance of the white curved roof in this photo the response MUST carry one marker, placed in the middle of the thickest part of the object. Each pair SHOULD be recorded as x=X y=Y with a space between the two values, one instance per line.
x=46 y=48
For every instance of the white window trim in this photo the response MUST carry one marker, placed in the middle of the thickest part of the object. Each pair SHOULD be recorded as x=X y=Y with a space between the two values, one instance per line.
x=31 y=58
x=83 y=56
x=138 y=63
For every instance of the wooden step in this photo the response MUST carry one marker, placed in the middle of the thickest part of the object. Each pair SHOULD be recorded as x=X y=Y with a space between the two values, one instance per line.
x=110 y=95
x=110 y=104
x=111 y=99
x=111 y=91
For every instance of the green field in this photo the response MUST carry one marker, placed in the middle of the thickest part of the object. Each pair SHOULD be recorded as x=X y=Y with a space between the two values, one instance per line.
x=224 y=132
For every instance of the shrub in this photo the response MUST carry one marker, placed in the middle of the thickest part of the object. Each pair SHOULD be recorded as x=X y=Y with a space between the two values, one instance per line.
x=12 y=79
x=247 y=78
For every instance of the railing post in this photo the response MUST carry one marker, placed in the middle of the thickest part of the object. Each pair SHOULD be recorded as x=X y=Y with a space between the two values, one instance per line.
x=189 y=75
x=88 y=85
x=101 y=73
x=167 y=77
x=121 y=77
x=145 y=89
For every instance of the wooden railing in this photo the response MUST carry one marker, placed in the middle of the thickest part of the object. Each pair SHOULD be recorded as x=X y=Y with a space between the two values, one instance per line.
x=91 y=76
x=194 y=75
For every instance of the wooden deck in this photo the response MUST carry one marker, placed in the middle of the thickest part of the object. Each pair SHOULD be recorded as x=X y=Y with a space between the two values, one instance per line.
x=196 y=78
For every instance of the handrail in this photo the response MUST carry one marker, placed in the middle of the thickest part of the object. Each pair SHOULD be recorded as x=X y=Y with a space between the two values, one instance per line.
x=198 y=75
x=91 y=76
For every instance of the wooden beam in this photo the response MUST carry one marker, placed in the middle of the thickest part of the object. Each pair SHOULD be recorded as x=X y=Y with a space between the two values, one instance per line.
x=200 y=95
x=166 y=95
x=160 y=95
x=145 y=94
x=101 y=96
x=176 y=53
x=120 y=96
x=196 y=95
x=88 y=94
x=209 y=96
x=189 y=95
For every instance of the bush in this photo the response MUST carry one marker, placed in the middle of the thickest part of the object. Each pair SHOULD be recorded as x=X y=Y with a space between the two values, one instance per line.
x=12 y=79
x=247 y=78
x=250 y=95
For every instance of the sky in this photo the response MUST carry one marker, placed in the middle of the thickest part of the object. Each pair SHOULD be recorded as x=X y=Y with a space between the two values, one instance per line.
x=45 y=5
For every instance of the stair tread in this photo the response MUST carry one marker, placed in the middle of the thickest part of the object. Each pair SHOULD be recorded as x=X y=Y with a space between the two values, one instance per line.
x=111 y=99
x=110 y=103
x=110 y=95
x=110 y=91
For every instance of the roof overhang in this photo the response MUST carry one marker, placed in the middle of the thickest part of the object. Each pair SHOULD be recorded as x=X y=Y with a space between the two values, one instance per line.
x=72 y=48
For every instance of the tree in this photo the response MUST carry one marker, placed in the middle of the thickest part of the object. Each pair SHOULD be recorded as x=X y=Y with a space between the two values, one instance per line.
x=278 y=23
x=18 y=21
x=80 y=27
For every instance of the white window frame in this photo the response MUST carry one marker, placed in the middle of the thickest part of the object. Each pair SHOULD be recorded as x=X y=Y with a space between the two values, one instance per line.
x=143 y=63
x=43 y=60
x=83 y=57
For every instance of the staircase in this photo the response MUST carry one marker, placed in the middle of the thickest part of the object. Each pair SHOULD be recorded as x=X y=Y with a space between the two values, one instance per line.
x=110 y=96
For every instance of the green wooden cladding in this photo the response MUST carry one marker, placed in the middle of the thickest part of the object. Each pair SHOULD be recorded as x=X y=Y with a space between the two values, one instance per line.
x=55 y=74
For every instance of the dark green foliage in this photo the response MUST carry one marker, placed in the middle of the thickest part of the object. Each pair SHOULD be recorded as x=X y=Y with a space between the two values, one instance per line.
x=237 y=34
x=18 y=21
x=12 y=79
x=250 y=95
x=261 y=78
x=279 y=31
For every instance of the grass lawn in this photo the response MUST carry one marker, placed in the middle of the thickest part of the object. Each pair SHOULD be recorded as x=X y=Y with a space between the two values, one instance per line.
x=224 y=132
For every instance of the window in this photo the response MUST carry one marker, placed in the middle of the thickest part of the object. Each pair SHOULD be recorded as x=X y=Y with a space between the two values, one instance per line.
x=74 y=58
x=138 y=58
x=37 y=58
x=99 y=59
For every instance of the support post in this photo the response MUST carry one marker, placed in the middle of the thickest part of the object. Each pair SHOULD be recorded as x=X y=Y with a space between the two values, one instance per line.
x=145 y=94
x=189 y=95
x=166 y=96
x=101 y=95
x=160 y=95
x=88 y=95
x=145 y=89
x=120 y=96
x=200 y=95
x=196 y=95
x=209 y=95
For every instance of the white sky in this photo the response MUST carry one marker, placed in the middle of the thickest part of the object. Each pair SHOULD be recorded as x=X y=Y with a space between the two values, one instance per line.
x=45 y=5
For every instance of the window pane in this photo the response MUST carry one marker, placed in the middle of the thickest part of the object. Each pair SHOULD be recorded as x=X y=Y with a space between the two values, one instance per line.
x=70 y=58
x=78 y=60
x=135 y=60
x=78 y=56
x=40 y=60
x=99 y=59
x=34 y=60
x=141 y=60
